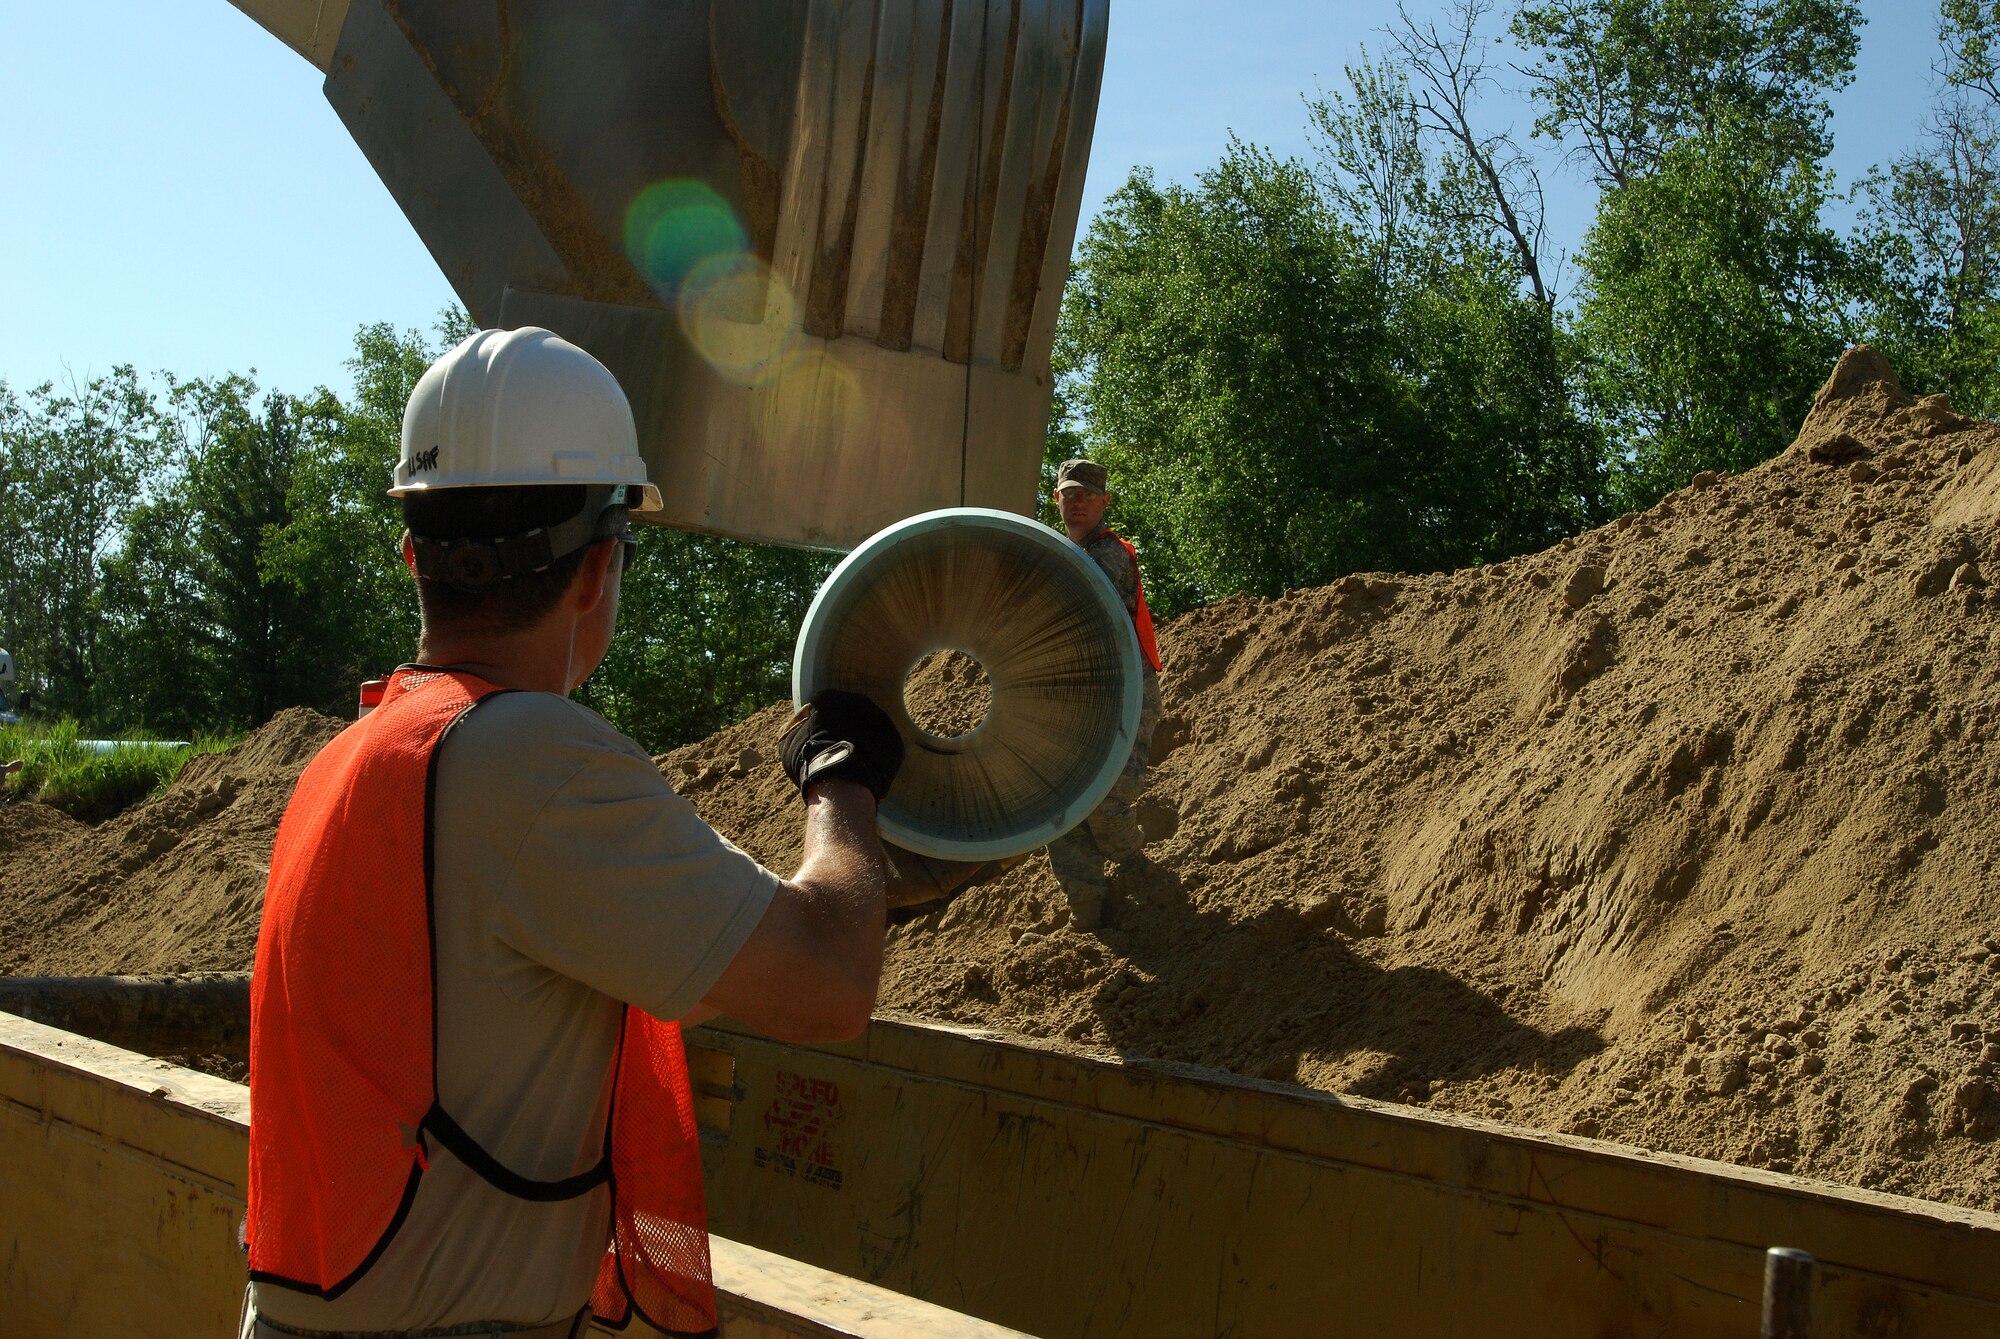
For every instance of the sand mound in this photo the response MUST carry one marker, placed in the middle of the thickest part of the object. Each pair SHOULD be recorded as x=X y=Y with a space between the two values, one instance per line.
x=1678 y=834
x=174 y=885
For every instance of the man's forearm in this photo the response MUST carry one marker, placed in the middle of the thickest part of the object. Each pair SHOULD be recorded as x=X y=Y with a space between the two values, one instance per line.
x=810 y=970
x=841 y=845
x=842 y=872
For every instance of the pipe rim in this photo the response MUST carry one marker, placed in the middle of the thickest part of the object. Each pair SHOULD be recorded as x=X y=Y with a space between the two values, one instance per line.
x=849 y=579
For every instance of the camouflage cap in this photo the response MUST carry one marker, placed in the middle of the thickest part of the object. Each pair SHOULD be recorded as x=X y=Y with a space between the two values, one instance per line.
x=1081 y=474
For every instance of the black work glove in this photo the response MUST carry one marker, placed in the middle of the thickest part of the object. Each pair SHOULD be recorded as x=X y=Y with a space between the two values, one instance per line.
x=843 y=735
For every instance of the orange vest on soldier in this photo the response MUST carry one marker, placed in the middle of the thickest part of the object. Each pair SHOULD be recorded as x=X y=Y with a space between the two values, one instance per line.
x=1142 y=618
x=343 y=1080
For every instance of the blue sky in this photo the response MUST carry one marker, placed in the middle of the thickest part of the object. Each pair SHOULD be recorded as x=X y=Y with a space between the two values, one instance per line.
x=181 y=197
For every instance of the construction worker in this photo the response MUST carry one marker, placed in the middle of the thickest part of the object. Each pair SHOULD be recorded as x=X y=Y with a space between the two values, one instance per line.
x=1112 y=829
x=488 y=915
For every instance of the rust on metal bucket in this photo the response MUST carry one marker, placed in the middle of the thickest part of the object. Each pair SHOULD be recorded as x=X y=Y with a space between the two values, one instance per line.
x=596 y=263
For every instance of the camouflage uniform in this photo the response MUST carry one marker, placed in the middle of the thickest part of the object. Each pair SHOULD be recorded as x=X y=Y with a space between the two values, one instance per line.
x=1112 y=829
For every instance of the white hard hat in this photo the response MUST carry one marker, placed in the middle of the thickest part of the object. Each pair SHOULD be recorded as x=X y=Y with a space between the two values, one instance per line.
x=520 y=407
x=6 y=668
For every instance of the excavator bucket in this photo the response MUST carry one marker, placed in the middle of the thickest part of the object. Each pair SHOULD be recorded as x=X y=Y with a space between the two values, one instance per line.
x=821 y=243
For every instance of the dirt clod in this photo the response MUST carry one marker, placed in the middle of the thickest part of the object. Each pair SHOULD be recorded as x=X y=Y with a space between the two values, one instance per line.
x=1584 y=585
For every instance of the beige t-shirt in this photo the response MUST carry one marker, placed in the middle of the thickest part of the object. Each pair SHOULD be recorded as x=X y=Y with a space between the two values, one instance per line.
x=570 y=880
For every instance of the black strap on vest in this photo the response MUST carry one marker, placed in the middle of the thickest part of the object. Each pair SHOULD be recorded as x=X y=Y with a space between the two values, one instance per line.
x=437 y=1122
x=440 y=1125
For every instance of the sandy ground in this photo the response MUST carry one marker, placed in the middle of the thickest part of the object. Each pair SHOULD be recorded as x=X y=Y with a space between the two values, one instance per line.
x=1679 y=834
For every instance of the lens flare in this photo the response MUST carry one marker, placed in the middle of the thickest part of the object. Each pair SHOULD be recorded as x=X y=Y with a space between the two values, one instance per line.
x=739 y=316
x=809 y=400
x=820 y=380
x=673 y=226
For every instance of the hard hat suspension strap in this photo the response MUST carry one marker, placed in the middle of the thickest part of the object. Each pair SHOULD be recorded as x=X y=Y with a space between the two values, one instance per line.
x=474 y=564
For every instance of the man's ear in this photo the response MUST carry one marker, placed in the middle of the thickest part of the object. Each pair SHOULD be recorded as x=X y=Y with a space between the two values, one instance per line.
x=594 y=576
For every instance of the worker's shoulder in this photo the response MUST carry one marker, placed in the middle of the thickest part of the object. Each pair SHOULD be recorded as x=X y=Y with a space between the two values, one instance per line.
x=1106 y=543
x=1109 y=552
x=530 y=732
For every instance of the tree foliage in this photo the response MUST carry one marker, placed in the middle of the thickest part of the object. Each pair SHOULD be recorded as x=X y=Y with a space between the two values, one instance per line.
x=1713 y=295
x=1931 y=226
x=201 y=557
x=1969 y=33
x=1439 y=77
x=705 y=633
x=1711 y=312
x=197 y=631
x=1290 y=381
x=341 y=549
x=74 y=462
x=1622 y=81
x=1300 y=369
x=1363 y=358
x=1929 y=247
x=1230 y=374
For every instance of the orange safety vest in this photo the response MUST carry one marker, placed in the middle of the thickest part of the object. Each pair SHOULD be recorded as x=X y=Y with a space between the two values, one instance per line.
x=343 y=1063
x=1142 y=618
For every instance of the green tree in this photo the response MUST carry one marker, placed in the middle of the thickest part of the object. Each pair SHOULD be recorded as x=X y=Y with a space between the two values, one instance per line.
x=705 y=633
x=339 y=550
x=274 y=646
x=1489 y=190
x=198 y=633
x=157 y=658
x=198 y=567
x=1623 y=81
x=1228 y=367
x=1290 y=381
x=1969 y=32
x=1930 y=243
x=1378 y=176
x=1454 y=215
x=1485 y=377
x=1712 y=308
x=1713 y=297
x=74 y=461
x=1929 y=236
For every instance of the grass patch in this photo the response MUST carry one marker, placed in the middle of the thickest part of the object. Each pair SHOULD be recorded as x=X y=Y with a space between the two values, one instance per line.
x=57 y=769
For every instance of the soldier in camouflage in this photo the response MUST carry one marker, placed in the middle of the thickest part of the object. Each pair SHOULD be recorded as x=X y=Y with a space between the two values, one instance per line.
x=1111 y=832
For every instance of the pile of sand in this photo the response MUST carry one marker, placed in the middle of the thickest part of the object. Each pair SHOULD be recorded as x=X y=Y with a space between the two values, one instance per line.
x=175 y=885
x=1679 y=834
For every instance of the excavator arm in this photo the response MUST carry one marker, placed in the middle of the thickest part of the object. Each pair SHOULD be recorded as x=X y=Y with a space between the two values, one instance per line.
x=821 y=243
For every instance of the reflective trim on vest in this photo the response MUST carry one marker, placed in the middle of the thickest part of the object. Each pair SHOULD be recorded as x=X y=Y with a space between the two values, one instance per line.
x=343 y=1064
x=1142 y=617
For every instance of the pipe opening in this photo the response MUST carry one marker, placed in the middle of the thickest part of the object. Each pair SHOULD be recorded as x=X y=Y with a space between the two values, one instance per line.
x=947 y=694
